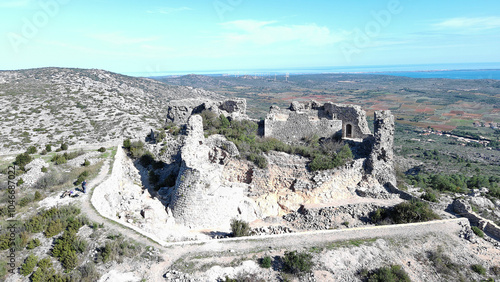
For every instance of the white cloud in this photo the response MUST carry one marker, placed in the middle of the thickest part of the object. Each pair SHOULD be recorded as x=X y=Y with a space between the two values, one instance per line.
x=119 y=38
x=270 y=32
x=169 y=10
x=482 y=23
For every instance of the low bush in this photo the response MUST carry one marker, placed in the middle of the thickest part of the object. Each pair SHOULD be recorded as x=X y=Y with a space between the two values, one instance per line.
x=51 y=179
x=48 y=148
x=28 y=265
x=126 y=144
x=429 y=196
x=259 y=160
x=102 y=150
x=86 y=162
x=297 y=263
x=33 y=244
x=81 y=177
x=59 y=159
x=266 y=262
x=239 y=228
x=31 y=150
x=479 y=269
x=393 y=273
x=24 y=201
x=64 y=146
x=406 y=212
x=22 y=160
x=20 y=182
x=65 y=251
x=478 y=231
x=43 y=152
x=37 y=196
x=53 y=228
x=44 y=169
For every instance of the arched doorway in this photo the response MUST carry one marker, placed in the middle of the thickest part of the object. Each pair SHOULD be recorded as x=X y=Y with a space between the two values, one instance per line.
x=348 y=131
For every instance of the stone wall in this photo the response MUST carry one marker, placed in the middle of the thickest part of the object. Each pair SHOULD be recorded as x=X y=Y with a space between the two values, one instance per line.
x=179 y=111
x=296 y=125
x=350 y=115
x=306 y=119
x=462 y=208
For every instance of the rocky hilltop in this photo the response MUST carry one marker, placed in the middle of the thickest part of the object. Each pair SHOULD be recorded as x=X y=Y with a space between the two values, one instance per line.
x=81 y=106
x=215 y=183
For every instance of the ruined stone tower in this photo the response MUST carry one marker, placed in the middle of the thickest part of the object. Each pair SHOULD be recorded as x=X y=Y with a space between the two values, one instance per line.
x=380 y=163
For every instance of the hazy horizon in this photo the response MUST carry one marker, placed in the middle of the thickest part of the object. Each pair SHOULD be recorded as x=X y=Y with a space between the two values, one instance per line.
x=200 y=36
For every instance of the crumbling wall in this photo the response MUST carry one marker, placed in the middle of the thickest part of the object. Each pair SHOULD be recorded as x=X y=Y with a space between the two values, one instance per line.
x=311 y=118
x=201 y=197
x=350 y=115
x=294 y=126
x=380 y=163
x=179 y=111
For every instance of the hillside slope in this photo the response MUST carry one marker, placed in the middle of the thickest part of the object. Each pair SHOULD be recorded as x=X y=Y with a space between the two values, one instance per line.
x=81 y=106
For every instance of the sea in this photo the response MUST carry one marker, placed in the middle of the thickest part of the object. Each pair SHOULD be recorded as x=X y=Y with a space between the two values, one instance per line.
x=450 y=71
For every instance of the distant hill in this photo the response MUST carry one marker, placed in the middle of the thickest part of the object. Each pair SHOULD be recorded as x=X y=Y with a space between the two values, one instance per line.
x=81 y=106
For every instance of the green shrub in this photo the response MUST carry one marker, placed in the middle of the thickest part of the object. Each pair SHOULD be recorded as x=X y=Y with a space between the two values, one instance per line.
x=28 y=265
x=44 y=169
x=81 y=177
x=43 y=152
x=20 y=182
x=297 y=263
x=479 y=269
x=22 y=160
x=413 y=211
x=393 y=273
x=259 y=160
x=442 y=263
x=48 y=148
x=86 y=163
x=53 y=228
x=266 y=262
x=37 y=196
x=478 y=231
x=239 y=228
x=24 y=201
x=64 y=146
x=102 y=150
x=429 y=196
x=31 y=150
x=59 y=159
x=33 y=244
x=126 y=143
x=65 y=251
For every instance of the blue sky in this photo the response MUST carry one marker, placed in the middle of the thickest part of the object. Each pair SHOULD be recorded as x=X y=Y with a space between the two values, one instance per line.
x=131 y=36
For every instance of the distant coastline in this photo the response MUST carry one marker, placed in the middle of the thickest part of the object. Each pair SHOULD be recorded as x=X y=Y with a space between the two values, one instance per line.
x=450 y=71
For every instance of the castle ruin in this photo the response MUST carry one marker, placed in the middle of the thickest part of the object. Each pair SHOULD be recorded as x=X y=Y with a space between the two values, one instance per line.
x=214 y=185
